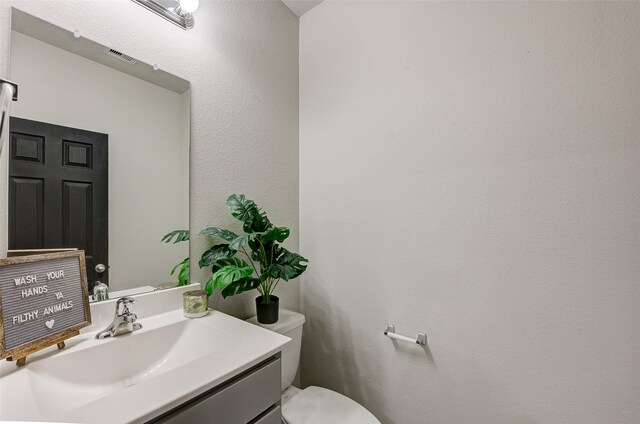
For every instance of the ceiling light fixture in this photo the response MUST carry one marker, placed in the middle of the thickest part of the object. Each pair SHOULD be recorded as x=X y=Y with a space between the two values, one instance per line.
x=189 y=6
x=179 y=12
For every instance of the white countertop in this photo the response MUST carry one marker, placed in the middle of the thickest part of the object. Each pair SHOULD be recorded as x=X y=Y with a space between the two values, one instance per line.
x=245 y=346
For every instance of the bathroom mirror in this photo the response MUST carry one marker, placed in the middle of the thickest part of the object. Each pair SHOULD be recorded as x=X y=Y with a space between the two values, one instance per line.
x=98 y=156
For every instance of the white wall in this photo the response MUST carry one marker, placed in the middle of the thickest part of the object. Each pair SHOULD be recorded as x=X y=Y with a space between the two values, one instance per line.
x=242 y=61
x=471 y=170
x=147 y=167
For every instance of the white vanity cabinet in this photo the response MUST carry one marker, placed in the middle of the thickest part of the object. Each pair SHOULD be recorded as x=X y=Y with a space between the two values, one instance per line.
x=216 y=370
x=251 y=397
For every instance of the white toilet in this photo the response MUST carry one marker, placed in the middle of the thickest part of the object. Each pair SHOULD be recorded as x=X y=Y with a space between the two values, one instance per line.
x=313 y=405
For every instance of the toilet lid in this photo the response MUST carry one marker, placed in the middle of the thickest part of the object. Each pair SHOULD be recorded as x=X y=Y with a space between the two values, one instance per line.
x=315 y=405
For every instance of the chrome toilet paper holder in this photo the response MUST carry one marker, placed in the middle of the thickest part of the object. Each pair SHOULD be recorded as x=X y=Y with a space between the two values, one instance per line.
x=391 y=332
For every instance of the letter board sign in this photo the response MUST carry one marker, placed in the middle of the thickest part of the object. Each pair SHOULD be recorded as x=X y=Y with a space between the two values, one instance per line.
x=43 y=300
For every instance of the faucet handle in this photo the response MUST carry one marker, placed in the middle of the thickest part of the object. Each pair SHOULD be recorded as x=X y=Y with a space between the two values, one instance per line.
x=124 y=302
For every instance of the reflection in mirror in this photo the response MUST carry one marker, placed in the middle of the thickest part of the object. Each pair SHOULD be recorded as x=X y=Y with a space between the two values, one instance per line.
x=98 y=157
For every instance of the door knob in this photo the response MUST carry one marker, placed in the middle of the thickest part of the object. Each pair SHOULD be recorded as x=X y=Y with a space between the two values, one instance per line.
x=100 y=268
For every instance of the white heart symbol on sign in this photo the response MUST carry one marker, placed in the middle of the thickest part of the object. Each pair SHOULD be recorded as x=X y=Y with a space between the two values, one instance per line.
x=50 y=323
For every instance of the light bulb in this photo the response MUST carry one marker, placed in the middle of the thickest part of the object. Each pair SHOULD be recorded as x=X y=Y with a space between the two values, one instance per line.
x=189 y=6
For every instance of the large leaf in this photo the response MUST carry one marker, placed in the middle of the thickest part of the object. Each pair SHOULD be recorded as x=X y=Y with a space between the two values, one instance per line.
x=220 y=233
x=278 y=234
x=287 y=266
x=220 y=263
x=254 y=244
x=228 y=261
x=215 y=253
x=238 y=242
x=183 y=274
x=208 y=286
x=240 y=286
x=177 y=236
x=259 y=224
x=254 y=220
x=242 y=208
x=231 y=264
x=230 y=274
x=254 y=250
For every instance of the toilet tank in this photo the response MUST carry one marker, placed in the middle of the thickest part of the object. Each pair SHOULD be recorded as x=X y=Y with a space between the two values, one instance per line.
x=289 y=324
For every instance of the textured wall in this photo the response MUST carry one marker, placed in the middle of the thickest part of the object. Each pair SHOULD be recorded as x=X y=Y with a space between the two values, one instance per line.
x=471 y=169
x=242 y=61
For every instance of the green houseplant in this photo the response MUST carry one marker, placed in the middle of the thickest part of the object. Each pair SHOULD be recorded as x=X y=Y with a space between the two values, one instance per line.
x=183 y=266
x=268 y=262
x=252 y=260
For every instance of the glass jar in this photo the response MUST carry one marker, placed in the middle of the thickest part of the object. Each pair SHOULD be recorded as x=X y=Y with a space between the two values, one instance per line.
x=195 y=303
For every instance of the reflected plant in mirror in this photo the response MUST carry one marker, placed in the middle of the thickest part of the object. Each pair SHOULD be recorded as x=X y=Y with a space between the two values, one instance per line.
x=182 y=267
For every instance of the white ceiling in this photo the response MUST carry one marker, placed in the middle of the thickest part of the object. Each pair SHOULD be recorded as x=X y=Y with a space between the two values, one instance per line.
x=48 y=33
x=300 y=7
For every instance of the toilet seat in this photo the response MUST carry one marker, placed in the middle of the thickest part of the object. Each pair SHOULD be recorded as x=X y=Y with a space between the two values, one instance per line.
x=315 y=405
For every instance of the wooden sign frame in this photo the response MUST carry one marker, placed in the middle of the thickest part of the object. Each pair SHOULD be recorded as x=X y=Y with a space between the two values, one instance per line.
x=20 y=352
x=26 y=252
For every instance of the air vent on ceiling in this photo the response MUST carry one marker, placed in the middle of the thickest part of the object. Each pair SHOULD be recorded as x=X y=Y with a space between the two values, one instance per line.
x=118 y=55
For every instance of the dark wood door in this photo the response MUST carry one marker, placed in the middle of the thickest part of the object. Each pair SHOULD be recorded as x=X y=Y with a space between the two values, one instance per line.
x=58 y=190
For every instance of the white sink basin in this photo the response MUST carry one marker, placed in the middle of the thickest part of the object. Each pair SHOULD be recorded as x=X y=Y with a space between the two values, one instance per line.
x=65 y=382
x=134 y=377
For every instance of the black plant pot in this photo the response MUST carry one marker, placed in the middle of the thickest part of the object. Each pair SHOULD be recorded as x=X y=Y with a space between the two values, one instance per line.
x=267 y=312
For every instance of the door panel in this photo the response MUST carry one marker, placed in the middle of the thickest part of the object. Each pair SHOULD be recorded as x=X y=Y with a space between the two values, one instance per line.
x=77 y=154
x=59 y=190
x=77 y=215
x=26 y=212
x=27 y=147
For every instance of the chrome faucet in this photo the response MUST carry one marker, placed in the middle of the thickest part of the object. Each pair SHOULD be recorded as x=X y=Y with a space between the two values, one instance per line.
x=123 y=322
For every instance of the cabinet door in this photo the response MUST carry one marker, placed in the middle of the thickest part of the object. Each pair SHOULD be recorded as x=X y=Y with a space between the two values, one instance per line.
x=272 y=416
x=238 y=401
